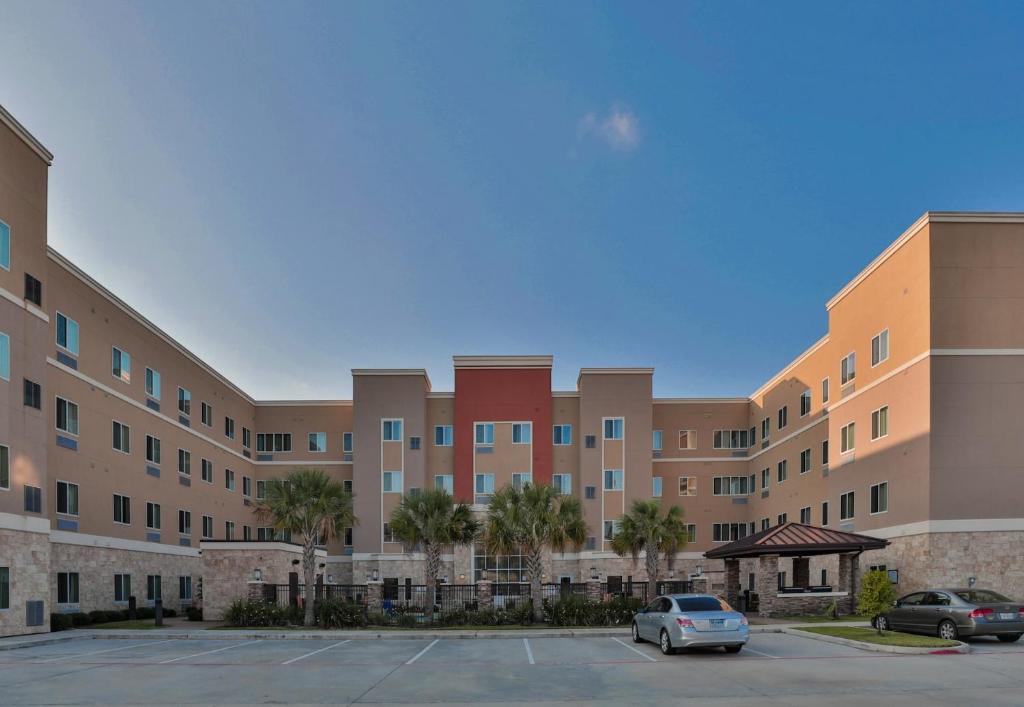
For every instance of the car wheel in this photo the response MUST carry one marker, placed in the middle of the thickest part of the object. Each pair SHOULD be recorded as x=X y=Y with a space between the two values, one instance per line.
x=636 y=634
x=666 y=643
x=882 y=623
x=733 y=649
x=1009 y=637
x=948 y=630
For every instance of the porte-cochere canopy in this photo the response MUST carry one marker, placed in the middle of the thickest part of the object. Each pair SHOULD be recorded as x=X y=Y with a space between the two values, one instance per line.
x=796 y=540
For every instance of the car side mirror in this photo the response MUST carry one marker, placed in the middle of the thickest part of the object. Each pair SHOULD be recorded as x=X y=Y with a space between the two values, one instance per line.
x=896 y=604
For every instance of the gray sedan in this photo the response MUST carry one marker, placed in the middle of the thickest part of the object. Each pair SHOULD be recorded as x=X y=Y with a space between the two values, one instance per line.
x=689 y=620
x=954 y=613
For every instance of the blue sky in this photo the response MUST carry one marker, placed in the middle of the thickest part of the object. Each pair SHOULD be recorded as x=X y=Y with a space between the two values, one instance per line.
x=293 y=190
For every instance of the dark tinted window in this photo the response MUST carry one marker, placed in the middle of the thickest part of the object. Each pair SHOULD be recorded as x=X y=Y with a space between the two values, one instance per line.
x=687 y=604
x=937 y=599
x=665 y=604
x=912 y=599
x=981 y=596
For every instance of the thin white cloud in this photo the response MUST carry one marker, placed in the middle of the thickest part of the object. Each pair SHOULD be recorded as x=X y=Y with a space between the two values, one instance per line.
x=619 y=128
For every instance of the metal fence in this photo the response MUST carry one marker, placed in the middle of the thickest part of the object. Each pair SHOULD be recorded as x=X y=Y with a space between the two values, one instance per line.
x=561 y=590
x=414 y=597
x=509 y=595
x=675 y=587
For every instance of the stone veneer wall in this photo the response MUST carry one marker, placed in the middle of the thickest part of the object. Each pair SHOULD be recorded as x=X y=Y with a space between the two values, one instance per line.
x=96 y=567
x=27 y=555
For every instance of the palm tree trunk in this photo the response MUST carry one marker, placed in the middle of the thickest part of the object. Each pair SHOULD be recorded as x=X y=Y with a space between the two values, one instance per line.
x=309 y=568
x=651 y=562
x=535 y=568
x=433 y=569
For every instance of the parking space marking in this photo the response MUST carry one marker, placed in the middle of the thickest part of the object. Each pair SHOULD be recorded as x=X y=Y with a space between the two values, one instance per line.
x=638 y=652
x=420 y=654
x=751 y=650
x=215 y=650
x=529 y=653
x=108 y=650
x=296 y=660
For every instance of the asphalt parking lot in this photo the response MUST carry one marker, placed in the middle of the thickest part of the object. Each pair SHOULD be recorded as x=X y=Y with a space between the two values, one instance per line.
x=774 y=669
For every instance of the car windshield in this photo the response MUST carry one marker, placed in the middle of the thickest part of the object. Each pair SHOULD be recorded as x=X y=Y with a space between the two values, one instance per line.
x=981 y=596
x=687 y=604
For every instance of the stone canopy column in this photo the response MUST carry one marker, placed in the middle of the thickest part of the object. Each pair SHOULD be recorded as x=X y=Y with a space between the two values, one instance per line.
x=767 y=584
x=732 y=581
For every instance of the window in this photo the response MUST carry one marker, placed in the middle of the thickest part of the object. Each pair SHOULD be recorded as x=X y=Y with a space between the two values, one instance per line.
x=561 y=435
x=229 y=480
x=208 y=526
x=67 y=416
x=229 y=428
x=442 y=437
x=247 y=438
x=485 y=433
x=229 y=530
x=121 y=437
x=824 y=453
x=611 y=528
x=5 y=246
x=766 y=478
x=122 y=587
x=444 y=482
x=153 y=587
x=5 y=467
x=122 y=509
x=727 y=439
x=732 y=485
x=484 y=484
x=879 y=347
x=562 y=483
x=688 y=439
x=824 y=512
x=846 y=508
x=590 y=441
x=392 y=482
x=782 y=470
x=273 y=441
x=613 y=427
x=846 y=438
x=656 y=440
x=783 y=416
x=656 y=486
x=848 y=368
x=766 y=429
x=392 y=430
x=348 y=537
x=805 y=403
x=805 y=461
x=880 y=497
x=33 y=499
x=185 y=522
x=318 y=442
x=727 y=532
x=691 y=532
x=67 y=498
x=33 y=290
x=880 y=423
x=414 y=442
x=805 y=515
x=5 y=356
x=33 y=394
x=261 y=489
x=824 y=390
x=153 y=384
x=346 y=484
x=121 y=365
x=206 y=413
x=387 y=534
x=687 y=485
x=153 y=515
x=67 y=334
x=67 y=587
x=246 y=486
x=152 y=449
x=522 y=432
x=185 y=589
x=766 y=523
x=520 y=479
x=782 y=518
x=206 y=470
x=613 y=480
x=184 y=401
x=185 y=462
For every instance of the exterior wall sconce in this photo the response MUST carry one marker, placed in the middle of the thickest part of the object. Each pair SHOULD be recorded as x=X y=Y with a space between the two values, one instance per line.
x=376 y=575
x=257 y=574
x=483 y=575
x=593 y=573
x=330 y=579
x=295 y=562
x=322 y=565
x=700 y=571
x=462 y=578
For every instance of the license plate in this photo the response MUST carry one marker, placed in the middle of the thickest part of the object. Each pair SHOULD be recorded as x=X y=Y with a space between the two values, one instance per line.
x=717 y=622
x=1007 y=617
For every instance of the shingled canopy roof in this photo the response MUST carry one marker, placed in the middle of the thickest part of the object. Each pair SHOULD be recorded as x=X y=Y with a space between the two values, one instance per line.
x=796 y=540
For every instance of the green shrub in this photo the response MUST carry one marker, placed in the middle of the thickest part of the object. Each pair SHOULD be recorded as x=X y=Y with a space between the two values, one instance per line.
x=876 y=594
x=169 y=613
x=377 y=618
x=337 y=613
x=144 y=612
x=194 y=614
x=80 y=619
x=244 y=612
x=620 y=610
x=60 y=622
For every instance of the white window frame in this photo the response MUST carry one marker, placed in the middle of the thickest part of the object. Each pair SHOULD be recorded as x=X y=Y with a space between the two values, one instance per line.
x=487 y=428
x=246 y=486
x=657 y=440
x=152 y=383
x=56 y=333
x=123 y=437
x=187 y=459
x=388 y=423
x=847 y=440
x=185 y=522
x=612 y=525
x=5 y=254
x=159 y=515
x=447 y=435
x=879 y=337
x=809 y=397
x=618 y=479
x=56 y=411
x=691 y=439
x=57 y=497
x=205 y=413
x=848 y=368
x=782 y=471
x=261 y=489
x=120 y=506
x=5 y=467
x=723 y=439
x=488 y=481
x=766 y=478
x=521 y=428
x=204 y=464
x=122 y=586
x=783 y=417
x=825 y=392
x=445 y=482
x=207 y=520
x=842 y=509
x=5 y=356
x=564 y=436
x=126 y=375
x=808 y=510
x=317 y=439
x=871 y=498
x=229 y=481
x=522 y=478
x=657 y=486
x=391 y=475
x=618 y=428
x=186 y=399
x=876 y=422
x=691 y=486
x=563 y=483
x=157 y=447
x=806 y=454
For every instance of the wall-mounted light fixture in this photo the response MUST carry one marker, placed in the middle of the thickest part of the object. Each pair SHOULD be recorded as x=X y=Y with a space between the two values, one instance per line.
x=376 y=575
x=700 y=571
x=322 y=565
x=295 y=562
x=257 y=574
x=593 y=573
x=330 y=579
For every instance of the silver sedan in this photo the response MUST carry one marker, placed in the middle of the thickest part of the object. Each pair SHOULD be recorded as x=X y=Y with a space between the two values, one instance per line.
x=690 y=620
x=956 y=613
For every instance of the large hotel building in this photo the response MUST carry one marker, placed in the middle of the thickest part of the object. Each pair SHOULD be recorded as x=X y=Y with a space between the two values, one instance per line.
x=121 y=452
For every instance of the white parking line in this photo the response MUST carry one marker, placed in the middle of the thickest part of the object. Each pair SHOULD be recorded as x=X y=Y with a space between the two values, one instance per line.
x=529 y=653
x=420 y=654
x=766 y=655
x=215 y=650
x=296 y=660
x=640 y=653
x=108 y=650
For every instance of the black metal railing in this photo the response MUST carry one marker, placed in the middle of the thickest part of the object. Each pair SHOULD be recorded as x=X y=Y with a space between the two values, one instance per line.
x=561 y=590
x=675 y=586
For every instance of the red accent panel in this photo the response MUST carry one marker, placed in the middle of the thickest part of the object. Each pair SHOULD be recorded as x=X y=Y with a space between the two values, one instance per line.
x=501 y=394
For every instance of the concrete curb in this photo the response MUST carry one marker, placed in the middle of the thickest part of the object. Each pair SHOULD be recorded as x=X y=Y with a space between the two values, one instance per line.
x=961 y=647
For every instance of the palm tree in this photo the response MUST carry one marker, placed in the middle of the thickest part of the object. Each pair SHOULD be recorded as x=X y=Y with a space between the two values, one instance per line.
x=309 y=503
x=432 y=520
x=646 y=529
x=529 y=519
